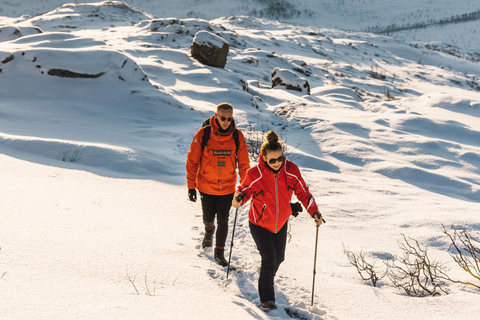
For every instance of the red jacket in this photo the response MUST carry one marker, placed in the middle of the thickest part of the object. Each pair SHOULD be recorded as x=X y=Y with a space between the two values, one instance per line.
x=271 y=194
x=214 y=171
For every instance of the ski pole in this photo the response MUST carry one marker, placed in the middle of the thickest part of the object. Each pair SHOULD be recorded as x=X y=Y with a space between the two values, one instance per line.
x=315 y=260
x=314 y=266
x=239 y=198
x=231 y=244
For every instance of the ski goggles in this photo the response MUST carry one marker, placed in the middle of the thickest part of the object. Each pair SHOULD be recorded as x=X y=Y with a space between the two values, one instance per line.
x=279 y=159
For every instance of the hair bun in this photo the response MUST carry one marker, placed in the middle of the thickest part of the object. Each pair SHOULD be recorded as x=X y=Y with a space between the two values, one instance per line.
x=271 y=144
x=272 y=137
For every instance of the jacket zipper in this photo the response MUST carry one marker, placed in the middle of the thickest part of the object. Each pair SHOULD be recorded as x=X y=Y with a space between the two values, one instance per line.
x=276 y=194
x=220 y=180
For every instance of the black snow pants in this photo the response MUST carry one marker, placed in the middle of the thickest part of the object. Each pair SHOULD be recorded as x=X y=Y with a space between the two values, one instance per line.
x=217 y=206
x=272 y=250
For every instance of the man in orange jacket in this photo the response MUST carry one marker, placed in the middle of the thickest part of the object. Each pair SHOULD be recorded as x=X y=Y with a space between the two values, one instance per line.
x=212 y=169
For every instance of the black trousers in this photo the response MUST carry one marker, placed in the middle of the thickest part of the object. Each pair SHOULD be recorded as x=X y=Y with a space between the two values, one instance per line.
x=272 y=250
x=217 y=206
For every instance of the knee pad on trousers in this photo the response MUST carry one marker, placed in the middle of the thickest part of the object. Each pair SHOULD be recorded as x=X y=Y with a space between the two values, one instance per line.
x=209 y=225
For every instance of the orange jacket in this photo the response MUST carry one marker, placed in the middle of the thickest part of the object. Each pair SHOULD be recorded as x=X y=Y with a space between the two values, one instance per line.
x=214 y=171
x=272 y=192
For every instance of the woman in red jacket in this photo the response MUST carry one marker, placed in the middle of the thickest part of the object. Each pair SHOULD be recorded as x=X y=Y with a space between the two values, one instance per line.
x=270 y=185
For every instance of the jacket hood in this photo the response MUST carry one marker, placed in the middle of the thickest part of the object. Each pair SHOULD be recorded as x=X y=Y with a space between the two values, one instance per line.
x=216 y=128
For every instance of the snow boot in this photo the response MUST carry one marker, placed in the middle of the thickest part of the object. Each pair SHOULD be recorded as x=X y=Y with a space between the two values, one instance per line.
x=268 y=305
x=208 y=239
x=220 y=257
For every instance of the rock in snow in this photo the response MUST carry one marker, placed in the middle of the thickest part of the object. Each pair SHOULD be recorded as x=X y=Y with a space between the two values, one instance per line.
x=210 y=49
x=290 y=80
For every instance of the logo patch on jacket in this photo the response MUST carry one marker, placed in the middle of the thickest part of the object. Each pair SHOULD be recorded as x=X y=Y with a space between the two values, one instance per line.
x=222 y=152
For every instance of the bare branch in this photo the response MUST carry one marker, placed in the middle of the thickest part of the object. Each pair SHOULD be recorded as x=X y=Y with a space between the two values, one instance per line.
x=416 y=273
x=132 y=281
x=366 y=270
x=465 y=251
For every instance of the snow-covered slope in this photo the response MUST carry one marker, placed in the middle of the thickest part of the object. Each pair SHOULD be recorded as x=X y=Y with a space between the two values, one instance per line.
x=98 y=107
x=451 y=22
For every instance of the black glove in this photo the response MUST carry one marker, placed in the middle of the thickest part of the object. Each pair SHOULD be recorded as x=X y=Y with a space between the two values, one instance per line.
x=192 y=195
x=296 y=208
x=240 y=197
x=318 y=216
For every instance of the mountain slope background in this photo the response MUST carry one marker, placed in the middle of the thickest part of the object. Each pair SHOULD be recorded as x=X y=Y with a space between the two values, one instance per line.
x=99 y=105
x=450 y=22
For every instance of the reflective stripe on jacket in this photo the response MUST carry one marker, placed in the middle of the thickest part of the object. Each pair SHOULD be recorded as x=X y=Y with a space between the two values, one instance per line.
x=214 y=171
x=272 y=192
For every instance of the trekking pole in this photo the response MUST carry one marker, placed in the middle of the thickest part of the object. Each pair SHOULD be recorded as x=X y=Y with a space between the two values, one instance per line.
x=231 y=244
x=314 y=266
x=239 y=198
x=315 y=259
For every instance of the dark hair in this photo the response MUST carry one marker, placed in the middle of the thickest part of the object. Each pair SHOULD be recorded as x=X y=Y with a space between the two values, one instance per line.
x=224 y=106
x=271 y=144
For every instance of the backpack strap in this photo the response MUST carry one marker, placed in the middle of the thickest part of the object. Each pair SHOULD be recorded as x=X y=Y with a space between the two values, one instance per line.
x=206 y=136
x=237 y=141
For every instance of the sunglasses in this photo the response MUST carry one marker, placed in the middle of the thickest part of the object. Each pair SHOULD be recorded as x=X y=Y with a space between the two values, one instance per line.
x=279 y=159
x=230 y=119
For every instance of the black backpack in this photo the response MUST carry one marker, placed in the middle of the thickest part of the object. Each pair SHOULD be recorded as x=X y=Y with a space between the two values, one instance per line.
x=206 y=136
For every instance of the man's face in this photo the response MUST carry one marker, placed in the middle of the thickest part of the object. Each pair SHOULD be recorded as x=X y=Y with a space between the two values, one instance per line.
x=227 y=115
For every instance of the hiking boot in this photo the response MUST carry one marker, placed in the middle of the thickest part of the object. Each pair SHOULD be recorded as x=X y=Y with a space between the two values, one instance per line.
x=220 y=258
x=208 y=239
x=268 y=305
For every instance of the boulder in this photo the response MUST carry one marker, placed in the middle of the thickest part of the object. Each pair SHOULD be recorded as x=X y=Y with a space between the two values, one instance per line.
x=210 y=49
x=290 y=80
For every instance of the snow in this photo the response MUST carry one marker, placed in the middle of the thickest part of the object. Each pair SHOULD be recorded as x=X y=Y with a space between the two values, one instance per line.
x=209 y=39
x=95 y=222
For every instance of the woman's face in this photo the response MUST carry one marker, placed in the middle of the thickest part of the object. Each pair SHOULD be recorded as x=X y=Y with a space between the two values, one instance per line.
x=274 y=155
